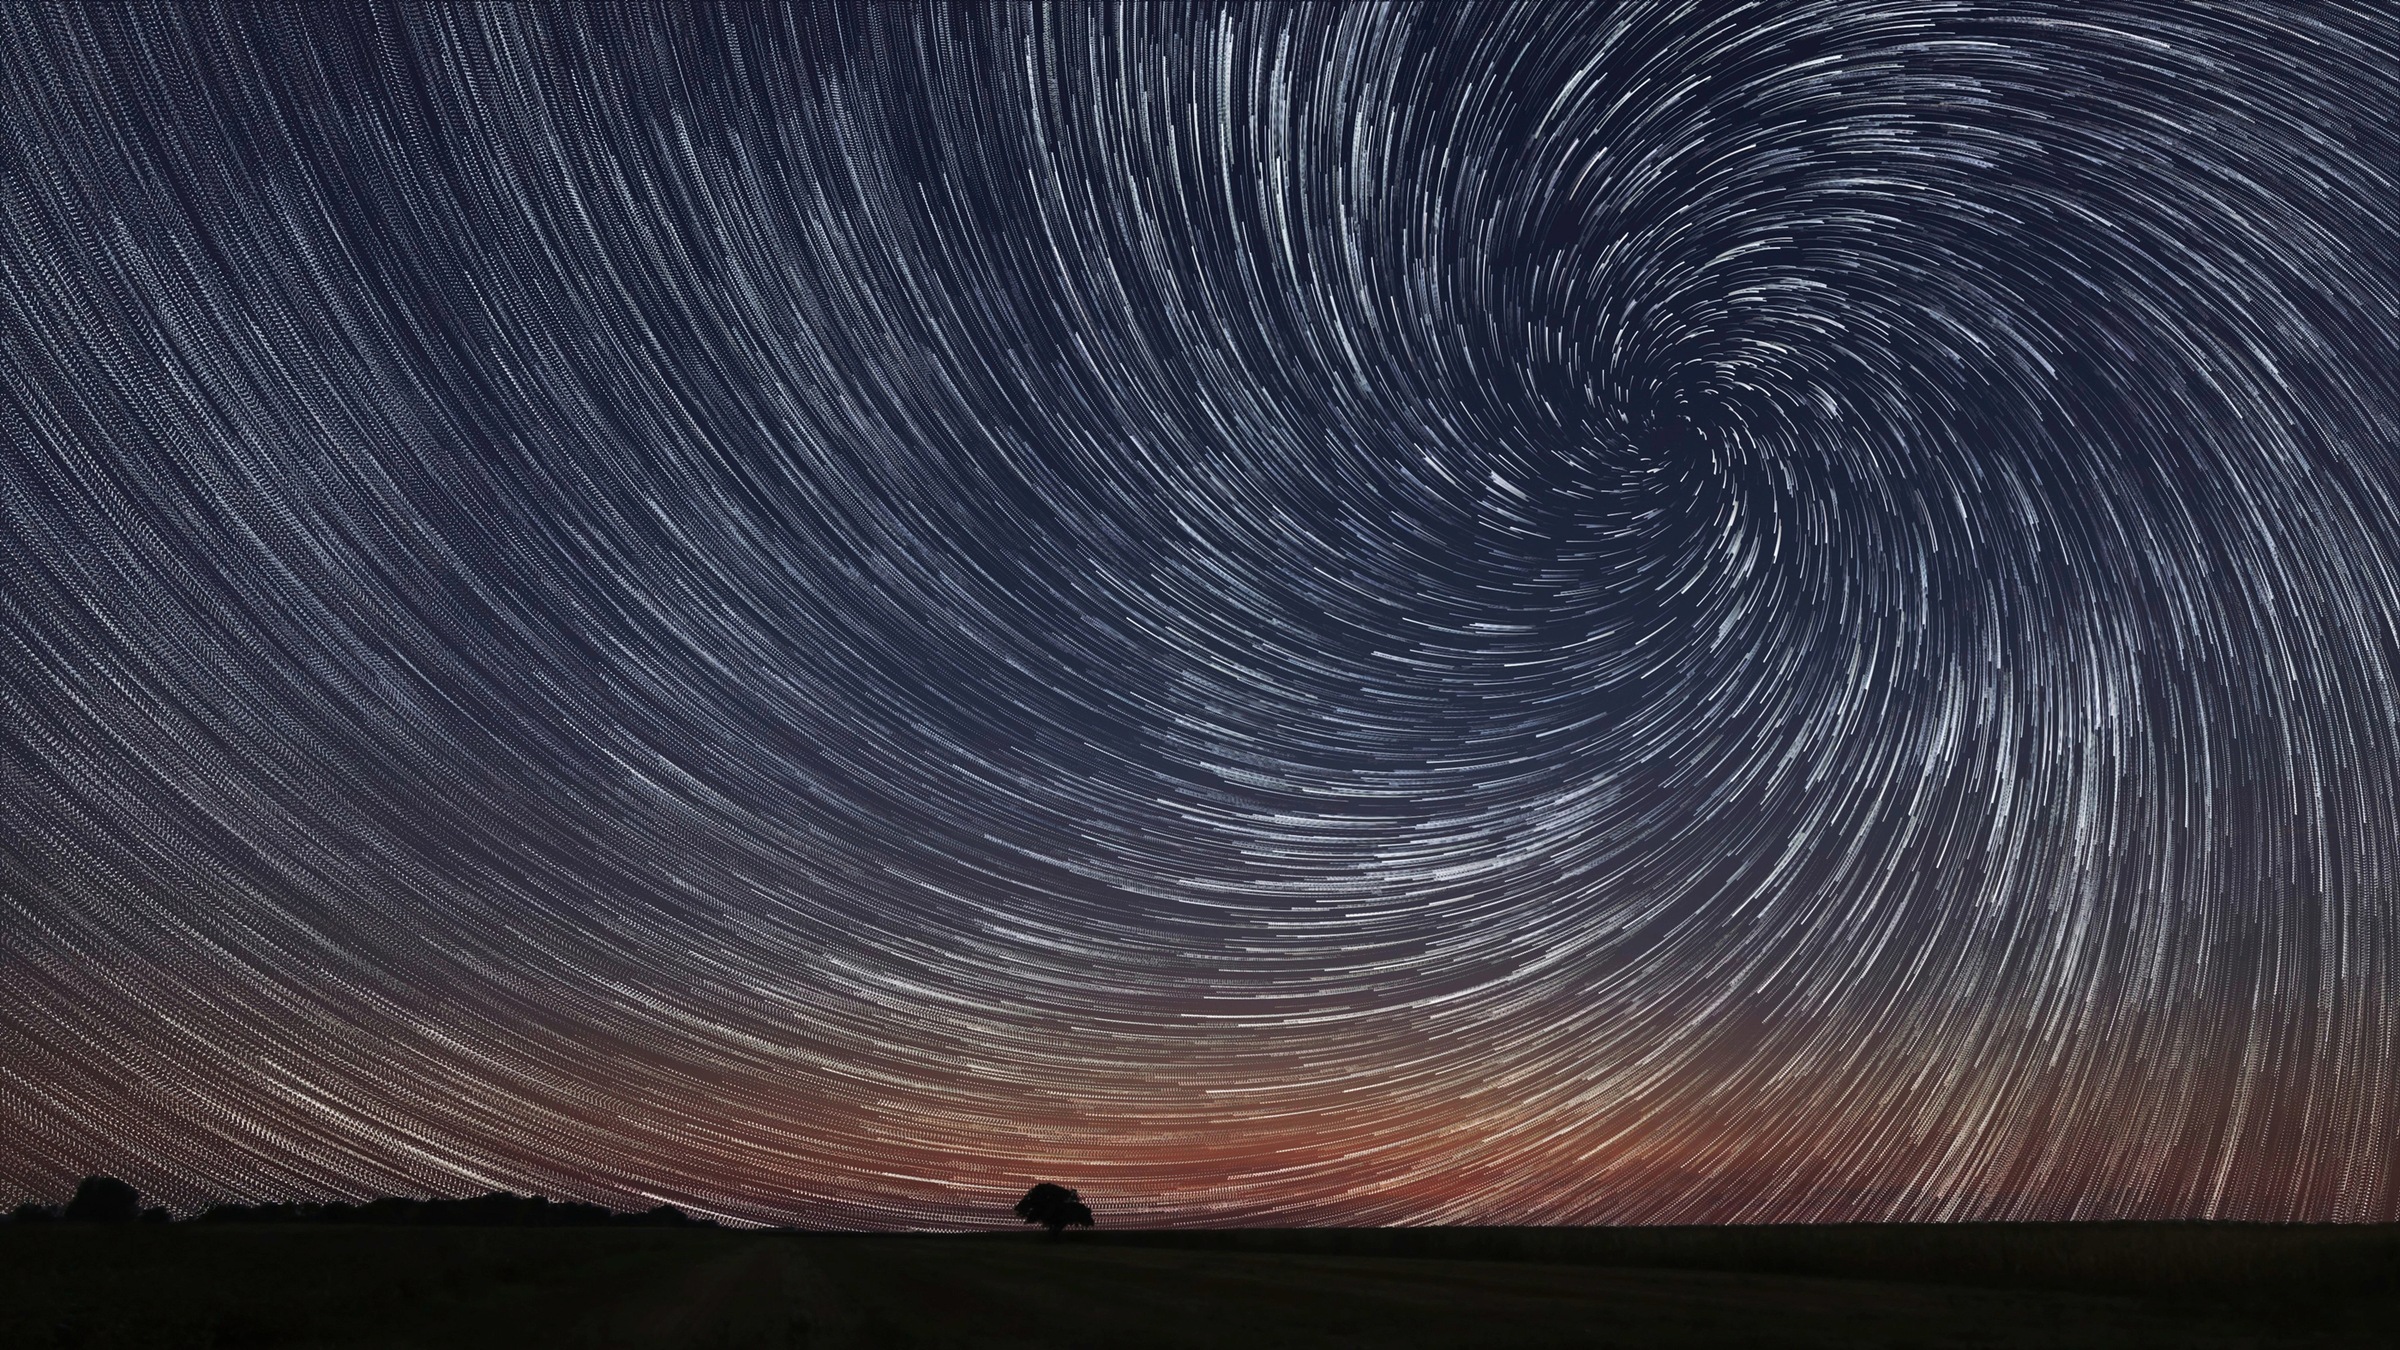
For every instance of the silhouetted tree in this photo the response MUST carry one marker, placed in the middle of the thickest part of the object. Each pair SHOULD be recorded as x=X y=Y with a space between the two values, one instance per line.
x=1054 y=1207
x=29 y=1212
x=663 y=1216
x=104 y=1200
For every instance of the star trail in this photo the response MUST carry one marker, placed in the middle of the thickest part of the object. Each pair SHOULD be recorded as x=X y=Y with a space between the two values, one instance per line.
x=1548 y=614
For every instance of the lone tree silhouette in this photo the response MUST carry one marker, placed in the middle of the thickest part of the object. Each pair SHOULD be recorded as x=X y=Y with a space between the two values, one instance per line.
x=1054 y=1207
x=104 y=1200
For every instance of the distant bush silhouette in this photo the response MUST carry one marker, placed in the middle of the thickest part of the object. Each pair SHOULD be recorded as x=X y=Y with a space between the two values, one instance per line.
x=104 y=1200
x=1054 y=1207
x=29 y=1212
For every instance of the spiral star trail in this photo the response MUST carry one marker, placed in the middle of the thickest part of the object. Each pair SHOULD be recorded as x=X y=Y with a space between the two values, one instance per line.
x=1638 y=613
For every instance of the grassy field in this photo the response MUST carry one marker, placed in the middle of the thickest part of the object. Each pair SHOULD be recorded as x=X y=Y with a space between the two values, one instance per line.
x=232 y=1286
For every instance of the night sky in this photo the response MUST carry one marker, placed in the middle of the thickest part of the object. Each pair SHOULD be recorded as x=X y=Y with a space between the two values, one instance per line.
x=1327 y=615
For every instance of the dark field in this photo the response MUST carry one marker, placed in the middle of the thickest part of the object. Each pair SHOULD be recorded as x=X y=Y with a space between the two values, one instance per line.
x=1991 y=1285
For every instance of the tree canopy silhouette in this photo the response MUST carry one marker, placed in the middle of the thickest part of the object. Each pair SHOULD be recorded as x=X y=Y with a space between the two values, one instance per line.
x=1054 y=1207
x=104 y=1200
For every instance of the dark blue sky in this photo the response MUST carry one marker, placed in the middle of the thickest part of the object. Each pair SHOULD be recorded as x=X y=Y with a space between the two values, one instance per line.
x=1317 y=614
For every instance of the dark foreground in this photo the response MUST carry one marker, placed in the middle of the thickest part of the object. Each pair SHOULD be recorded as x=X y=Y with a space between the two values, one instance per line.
x=233 y=1286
